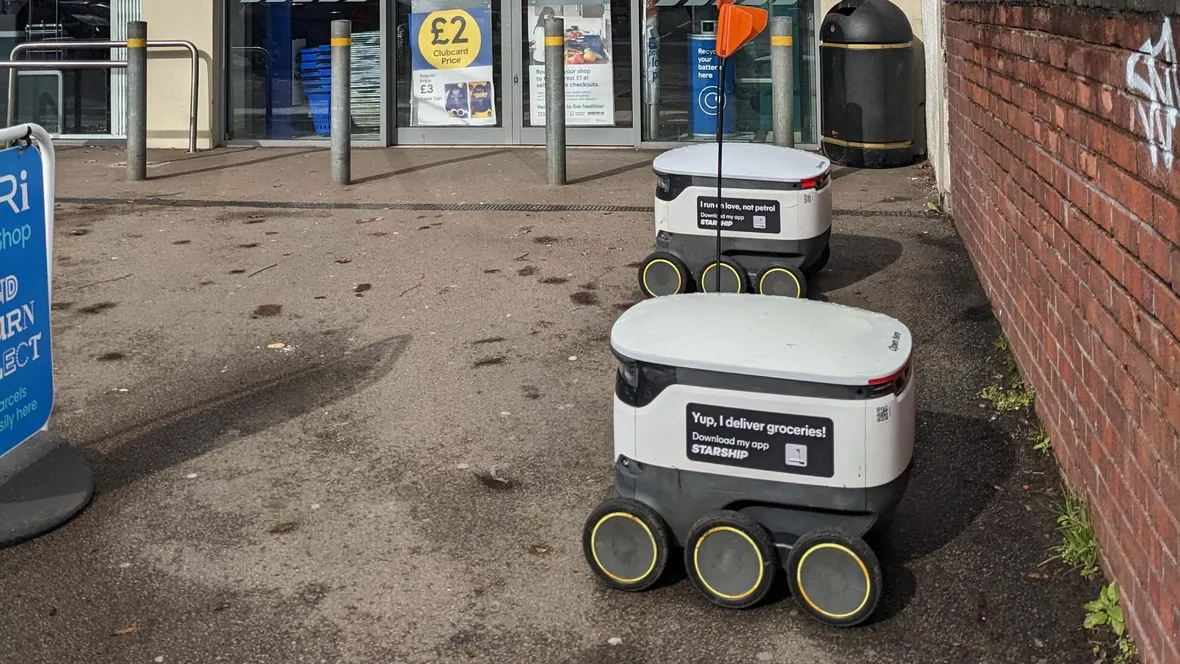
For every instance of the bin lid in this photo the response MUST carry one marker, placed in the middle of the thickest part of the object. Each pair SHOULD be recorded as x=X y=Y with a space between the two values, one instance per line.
x=764 y=335
x=743 y=161
x=866 y=22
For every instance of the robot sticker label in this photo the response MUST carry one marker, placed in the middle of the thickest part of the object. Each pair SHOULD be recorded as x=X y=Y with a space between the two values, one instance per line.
x=746 y=215
x=779 y=442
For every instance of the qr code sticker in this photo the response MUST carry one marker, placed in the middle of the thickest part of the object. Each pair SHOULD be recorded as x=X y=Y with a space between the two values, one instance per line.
x=759 y=221
x=882 y=413
x=806 y=198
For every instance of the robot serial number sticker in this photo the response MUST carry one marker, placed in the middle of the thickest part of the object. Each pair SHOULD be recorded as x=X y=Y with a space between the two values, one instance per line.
x=779 y=442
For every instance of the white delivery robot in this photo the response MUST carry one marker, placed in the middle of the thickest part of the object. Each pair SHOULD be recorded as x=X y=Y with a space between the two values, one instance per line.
x=775 y=214
x=757 y=435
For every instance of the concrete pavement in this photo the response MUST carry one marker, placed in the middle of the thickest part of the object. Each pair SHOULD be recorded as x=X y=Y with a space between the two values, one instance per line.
x=351 y=434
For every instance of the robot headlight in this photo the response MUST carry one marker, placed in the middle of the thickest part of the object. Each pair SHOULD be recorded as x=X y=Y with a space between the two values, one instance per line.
x=629 y=373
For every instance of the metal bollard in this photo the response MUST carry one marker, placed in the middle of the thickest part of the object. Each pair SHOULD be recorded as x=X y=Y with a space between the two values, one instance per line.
x=782 y=79
x=137 y=100
x=342 y=102
x=555 y=99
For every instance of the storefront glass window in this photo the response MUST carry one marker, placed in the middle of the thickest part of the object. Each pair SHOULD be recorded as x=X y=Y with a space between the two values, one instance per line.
x=597 y=62
x=680 y=70
x=448 y=64
x=280 y=68
x=67 y=101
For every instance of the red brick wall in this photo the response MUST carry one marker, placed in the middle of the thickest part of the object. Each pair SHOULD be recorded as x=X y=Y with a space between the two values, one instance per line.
x=1074 y=228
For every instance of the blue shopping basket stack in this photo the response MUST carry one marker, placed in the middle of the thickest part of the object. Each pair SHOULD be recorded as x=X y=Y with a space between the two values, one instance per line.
x=315 y=71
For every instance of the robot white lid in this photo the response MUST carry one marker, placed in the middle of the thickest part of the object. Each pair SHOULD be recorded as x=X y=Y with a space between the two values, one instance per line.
x=764 y=335
x=743 y=161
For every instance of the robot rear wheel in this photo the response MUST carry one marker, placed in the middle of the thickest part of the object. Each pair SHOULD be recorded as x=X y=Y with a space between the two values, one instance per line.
x=834 y=577
x=782 y=280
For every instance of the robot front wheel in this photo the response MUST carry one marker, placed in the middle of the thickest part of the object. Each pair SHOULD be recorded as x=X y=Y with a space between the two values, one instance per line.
x=626 y=543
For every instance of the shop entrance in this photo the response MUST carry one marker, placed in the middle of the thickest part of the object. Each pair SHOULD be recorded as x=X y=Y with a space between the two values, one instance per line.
x=472 y=71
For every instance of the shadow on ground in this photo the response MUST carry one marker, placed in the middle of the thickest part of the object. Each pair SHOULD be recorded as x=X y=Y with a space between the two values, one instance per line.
x=189 y=433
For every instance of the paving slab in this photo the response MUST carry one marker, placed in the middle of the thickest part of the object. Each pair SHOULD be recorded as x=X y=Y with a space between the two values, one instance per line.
x=345 y=435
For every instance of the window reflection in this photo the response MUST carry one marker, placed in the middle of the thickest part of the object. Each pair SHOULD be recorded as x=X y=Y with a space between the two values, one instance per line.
x=280 y=68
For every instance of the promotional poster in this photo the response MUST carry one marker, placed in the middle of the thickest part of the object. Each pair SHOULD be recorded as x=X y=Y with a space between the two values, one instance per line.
x=589 y=74
x=452 y=63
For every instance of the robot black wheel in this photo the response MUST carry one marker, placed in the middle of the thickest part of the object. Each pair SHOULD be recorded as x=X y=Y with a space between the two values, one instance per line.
x=782 y=280
x=731 y=559
x=834 y=577
x=627 y=544
x=733 y=277
x=662 y=273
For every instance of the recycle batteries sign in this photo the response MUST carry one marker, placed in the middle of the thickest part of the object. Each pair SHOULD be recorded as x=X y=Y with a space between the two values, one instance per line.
x=452 y=63
x=26 y=363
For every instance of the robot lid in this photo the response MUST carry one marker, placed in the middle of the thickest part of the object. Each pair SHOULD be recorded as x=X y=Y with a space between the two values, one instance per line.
x=743 y=161
x=774 y=337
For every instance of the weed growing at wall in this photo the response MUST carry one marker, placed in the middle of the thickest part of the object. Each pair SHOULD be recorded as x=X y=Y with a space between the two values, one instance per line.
x=1079 y=546
x=1106 y=611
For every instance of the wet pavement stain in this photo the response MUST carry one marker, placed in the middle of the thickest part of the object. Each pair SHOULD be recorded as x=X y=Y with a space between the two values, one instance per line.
x=249 y=246
x=623 y=306
x=636 y=264
x=237 y=272
x=111 y=357
x=183 y=242
x=527 y=271
x=531 y=391
x=584 y=298
x=268 y=310
x=546 y=239
x=98 y=308
x=554 y=280
x=488 y=361
x=492 y=271
x=284 y=527
x=61 y=306
x=488 y=340
x=589 y=286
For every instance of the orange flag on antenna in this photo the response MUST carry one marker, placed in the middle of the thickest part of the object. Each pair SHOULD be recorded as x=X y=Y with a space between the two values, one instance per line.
x=737 y=26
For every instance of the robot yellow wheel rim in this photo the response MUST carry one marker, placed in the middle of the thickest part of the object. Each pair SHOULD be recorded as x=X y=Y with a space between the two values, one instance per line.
x=708 y=281
x=838 y=579
x=735 y=564
x=780 y=271
x=624 y=544
x=662 y=262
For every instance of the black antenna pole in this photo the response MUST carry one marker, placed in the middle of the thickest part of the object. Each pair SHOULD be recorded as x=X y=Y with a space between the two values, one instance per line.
x=720 y=135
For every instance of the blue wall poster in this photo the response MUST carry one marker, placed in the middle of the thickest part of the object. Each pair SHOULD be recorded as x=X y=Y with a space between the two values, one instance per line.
x=704 y=72
x=451 y=41
x=26 y=362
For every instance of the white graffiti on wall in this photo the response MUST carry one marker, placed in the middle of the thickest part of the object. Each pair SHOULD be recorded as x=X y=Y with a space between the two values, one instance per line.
x=1160 y=87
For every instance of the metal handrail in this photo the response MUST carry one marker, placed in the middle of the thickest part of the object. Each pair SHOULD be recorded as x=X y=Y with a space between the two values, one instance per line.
x=98 y=64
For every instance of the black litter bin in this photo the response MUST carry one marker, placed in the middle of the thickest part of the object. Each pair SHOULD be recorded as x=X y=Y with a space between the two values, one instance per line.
x=866 y=64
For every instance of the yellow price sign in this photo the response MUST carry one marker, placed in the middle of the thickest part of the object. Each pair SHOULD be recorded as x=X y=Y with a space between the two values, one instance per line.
x=449 y=39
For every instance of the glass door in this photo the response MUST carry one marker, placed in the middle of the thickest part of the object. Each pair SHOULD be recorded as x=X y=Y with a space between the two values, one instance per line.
x=453 y=72
x=598 y=70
